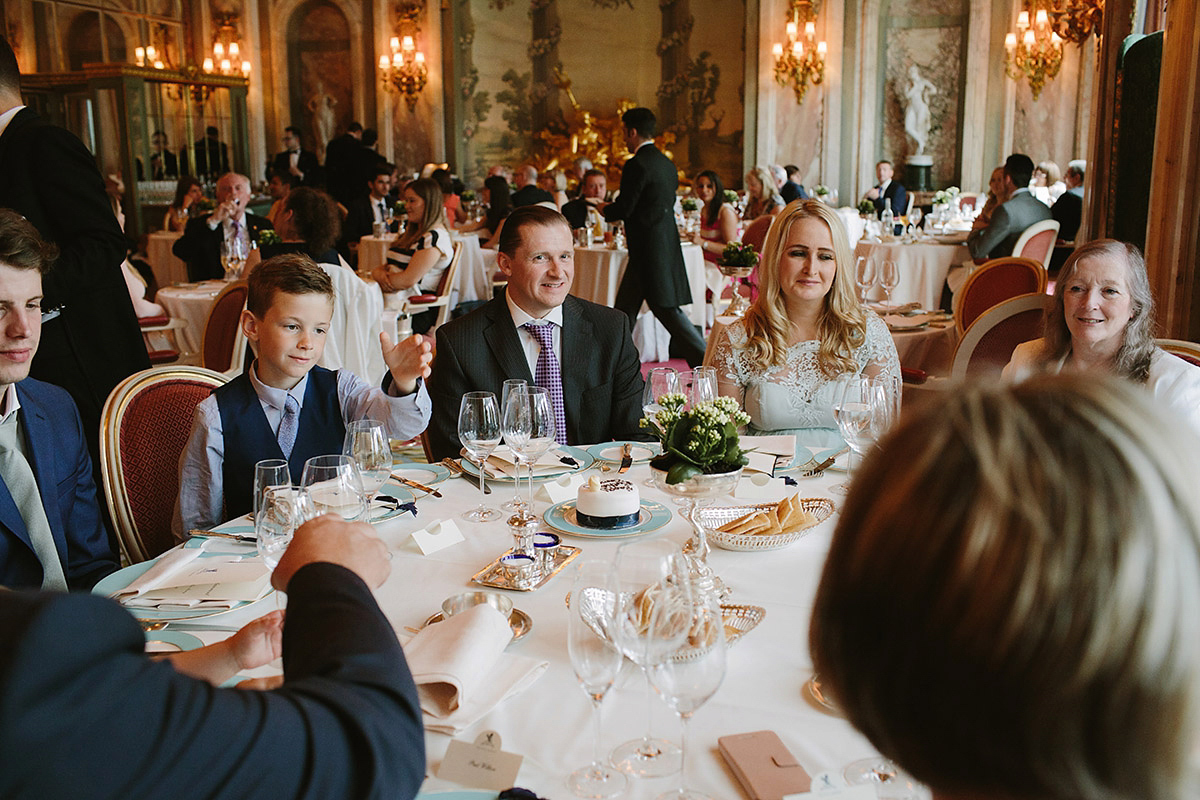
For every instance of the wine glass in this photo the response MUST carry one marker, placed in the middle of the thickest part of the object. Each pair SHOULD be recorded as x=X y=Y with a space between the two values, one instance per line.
x=857 y=400
x=890 y=782
x=367 y=443
x=703 y=386
x=687 y=678
x=864 y=276
x=536 y=416
x=479 y=432
x=515 y=504
x=233 y=257
x=596 y=661
x=282 y=509
x=650 y=624
x=270 y=473
x=659 y=381
x=335 y=487
x=889 y=279
x=914 y=217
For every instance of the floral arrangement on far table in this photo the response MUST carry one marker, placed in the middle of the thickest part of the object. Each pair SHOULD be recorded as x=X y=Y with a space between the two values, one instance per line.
x=946 y=196
x=731 y=196
x=866 y=207
x=703 y=440
x=689 y=204
x=738 y=254
x=400 y=209
x=268 y=236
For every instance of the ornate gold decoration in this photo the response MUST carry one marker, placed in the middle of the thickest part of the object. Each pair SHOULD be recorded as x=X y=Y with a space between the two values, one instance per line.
x=405 y=71
x=1076 y=20
x=1035 y=50
x=227 y=57
x=802 y=60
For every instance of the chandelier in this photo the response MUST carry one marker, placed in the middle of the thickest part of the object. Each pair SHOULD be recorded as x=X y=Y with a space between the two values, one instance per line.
x=405 y=72
x=802 y=60
x=227 y=50
x=148 y=56
x=1036 y=51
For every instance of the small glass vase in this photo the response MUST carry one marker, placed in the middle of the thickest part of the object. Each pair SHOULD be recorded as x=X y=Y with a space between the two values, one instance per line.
x=739 y=305
x=695 y=492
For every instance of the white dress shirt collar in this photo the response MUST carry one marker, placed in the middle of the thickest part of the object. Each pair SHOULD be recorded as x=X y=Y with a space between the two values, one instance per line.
x=277 y=398
x=10 y=404
x=7 y=117
x=520 y=317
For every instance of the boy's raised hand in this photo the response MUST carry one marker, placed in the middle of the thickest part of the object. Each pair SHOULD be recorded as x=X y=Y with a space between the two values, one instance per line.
x=407 y=360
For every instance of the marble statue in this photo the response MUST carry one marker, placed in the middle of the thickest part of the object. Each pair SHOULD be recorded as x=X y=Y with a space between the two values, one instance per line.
x=916 y=115
x=320 y=105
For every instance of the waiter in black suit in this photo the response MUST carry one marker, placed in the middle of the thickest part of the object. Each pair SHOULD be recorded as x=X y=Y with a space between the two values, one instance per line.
x=340 y=166
x=88 y=714
x=163 y=163
x=296 y=161
x=211 y=155
x=590 y=345
x=646 y=203
x=90 y=335
x=200 y=245
x=887 y=189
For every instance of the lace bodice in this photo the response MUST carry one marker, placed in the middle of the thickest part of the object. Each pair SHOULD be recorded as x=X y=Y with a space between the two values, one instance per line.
x=796 y=397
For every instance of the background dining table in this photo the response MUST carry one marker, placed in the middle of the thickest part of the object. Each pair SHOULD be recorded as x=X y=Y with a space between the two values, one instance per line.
x=548 y=723
x=168 y=270
x=191 y=303
x=922 y=267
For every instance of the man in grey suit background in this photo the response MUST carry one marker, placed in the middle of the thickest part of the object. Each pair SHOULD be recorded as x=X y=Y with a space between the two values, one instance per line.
x=590 y=345
x=1013 y=216
x=646 y=203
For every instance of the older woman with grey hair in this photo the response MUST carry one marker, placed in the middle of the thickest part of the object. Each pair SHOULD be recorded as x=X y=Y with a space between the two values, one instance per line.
x=1011 y=598
x=1102 y=319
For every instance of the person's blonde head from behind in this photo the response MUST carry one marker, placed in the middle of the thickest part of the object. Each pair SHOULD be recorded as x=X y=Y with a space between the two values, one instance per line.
x=765 y=181
x=842 y=326
x=1010 y=603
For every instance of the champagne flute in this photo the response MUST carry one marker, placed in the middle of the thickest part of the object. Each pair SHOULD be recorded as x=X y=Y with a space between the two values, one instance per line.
x=479 y=432
x=270 y=473
x=596 y=661
x=858 y=401
x=659 y=381
x=648 y=626
x=864 y=276
x=889 y=279
x=335 y=487
x=687 y=678
x=541 y=429
x=516 y=426
x=515 y=504
x=703 y=388
x=367 y=443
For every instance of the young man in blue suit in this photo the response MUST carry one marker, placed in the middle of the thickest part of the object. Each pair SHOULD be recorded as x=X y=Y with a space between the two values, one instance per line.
x=51 y=535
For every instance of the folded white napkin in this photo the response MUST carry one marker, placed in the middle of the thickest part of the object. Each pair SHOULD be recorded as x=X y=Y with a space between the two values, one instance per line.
x=462 y=671
x=167 y=565
x=783 y=444
x=179 y=580
x=501 y=460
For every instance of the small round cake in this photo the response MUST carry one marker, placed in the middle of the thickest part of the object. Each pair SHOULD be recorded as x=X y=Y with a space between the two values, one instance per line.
x=607 y=503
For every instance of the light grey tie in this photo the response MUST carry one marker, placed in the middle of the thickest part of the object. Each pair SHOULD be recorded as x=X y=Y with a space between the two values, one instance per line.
x=288 y=426
x=18 y=477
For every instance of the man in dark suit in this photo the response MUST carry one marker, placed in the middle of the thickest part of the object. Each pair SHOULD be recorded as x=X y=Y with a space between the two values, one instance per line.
x=51 y=531
x=792 y=189
x=646 y=203
x=163 y=163
x=340 y=164
x=211 y=155
x=373 y=207
x=528 y=193
x=1012 y=217
x=200 y=245
x=296 y=161
x=50 y=178
x=1068 y=210
x=88 y=714
x=887 y=189
x=601 y=377
x=593 y=188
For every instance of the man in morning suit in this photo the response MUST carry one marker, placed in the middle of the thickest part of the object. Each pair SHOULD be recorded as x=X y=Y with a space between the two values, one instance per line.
x=887 y=189
x=50 y=178
x=86 y=714
x=590 y=346
x=340 y=165
x=51 y=533
x=1013 y=216
x=200 y=245
x=296 y=161
x=646 y=202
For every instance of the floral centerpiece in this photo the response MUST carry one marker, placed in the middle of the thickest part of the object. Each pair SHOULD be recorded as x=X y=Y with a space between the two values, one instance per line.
x=400 y=208
x=731 y=196
x=689 y=204
x=468 y=195
x=737 y=261
x=946 y=196
x=703 y=440
x=822 y=192
x=866 y=208
x=268 y=236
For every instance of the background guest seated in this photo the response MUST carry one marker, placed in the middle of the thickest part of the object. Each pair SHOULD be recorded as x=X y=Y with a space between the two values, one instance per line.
x=584 y=210
x=1011 y=218
x=418 y=258
x=200 y=245
x=887 y=189
x=1008 y=608
x=309 y=224
x=762 y=199
x=187 y=192
x=806 y=327
x=497 y=196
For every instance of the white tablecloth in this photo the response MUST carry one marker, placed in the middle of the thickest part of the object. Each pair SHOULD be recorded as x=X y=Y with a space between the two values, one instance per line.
x=474 y=279
x=549 y=723
x=190 y=303
x=598 y=273
x=168 y=270
x=923 y=269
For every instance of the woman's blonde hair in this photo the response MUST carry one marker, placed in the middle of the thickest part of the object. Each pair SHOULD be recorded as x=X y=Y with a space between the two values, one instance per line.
x=842 y=327
x=1053 y=173
x=763 y=176
x=1137 y=349
x=1010 y=603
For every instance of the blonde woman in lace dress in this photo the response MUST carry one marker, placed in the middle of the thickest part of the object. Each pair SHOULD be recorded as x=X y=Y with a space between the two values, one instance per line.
x=782 y=360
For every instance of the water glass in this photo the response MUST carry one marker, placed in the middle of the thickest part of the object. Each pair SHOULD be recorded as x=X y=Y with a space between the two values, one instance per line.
x=531 y=405
x=479 y=433
x=270 y=473
x=367 y=443
x=889 y=279
x=703 y=386
x=862 y=409
x=281 y=510
x=334 y=485
x=864 y=276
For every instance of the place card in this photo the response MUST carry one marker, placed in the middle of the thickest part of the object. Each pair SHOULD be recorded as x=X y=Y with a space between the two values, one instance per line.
x=437 y=536
x=481 y=764
x=761 y=462
x=564 y=488
x=758 y=486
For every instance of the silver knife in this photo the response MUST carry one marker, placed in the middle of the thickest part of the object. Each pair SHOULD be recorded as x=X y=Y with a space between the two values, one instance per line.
x=220 y=535
x=626 y=458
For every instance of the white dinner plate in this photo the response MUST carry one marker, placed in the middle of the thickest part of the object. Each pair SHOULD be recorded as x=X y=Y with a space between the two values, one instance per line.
x=641 y=452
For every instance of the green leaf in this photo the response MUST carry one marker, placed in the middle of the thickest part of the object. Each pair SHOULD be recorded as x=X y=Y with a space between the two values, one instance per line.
x=681 y=472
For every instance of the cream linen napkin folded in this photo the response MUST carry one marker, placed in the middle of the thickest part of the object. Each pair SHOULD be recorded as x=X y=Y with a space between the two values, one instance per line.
x=501 y=460
x=462 y=671
x=167 y=565
x=179 y=580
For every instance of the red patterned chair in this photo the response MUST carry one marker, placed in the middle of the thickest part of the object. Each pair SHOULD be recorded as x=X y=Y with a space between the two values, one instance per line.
x=1188 y=351
x=989 y=343
x=224 y=345
x=998 y=279
x=144 y=428
x=1037 y=241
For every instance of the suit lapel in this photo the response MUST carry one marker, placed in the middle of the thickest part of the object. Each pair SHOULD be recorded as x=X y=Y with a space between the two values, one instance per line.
x=578 y=341
x=40 y=437
x=502 y=339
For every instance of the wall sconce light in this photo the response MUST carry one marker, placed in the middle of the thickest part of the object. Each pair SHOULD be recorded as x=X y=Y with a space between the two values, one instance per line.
x=802 y=60
x=148 y=56
x=405 y=71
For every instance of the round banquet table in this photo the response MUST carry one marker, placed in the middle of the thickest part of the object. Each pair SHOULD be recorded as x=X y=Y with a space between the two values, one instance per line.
x=474 y=279
x=923 y=267
x=598 y=273
x=168 y=270
x=549 y=722
x=191 y=303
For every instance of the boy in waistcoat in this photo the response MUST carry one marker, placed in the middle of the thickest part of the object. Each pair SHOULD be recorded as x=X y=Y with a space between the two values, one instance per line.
x=285 y=406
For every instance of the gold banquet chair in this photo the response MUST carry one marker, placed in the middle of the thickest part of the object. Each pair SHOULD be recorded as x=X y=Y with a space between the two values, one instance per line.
x=143 y=430
x=417 y=303
x=223 y=347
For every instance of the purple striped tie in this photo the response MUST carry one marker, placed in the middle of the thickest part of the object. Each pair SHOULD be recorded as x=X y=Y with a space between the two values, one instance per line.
x=549 y=376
